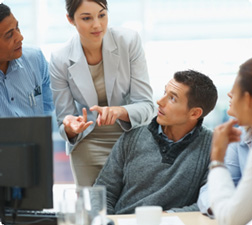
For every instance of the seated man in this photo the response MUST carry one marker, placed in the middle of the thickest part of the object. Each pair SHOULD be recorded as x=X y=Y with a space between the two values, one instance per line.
x=166 y=162
x=24 y=78
x=235 y=161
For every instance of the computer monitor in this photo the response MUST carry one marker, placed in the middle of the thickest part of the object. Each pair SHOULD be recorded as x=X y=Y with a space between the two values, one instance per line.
x=26 y=163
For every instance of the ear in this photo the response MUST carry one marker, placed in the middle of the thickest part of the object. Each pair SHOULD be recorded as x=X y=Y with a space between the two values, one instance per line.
x=195 y=113
x=70 y=19
x=248 y=100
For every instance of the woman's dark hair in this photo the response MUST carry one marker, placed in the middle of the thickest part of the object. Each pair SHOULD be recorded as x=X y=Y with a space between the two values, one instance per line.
x=73 y=5
x=245 y=77
x=4 y=11
x=202 y=92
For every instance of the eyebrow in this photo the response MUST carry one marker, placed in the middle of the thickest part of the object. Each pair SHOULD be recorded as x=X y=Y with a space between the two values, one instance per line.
x=174 y=93
x=90 y=13
x=6 y=34
x=10 y=31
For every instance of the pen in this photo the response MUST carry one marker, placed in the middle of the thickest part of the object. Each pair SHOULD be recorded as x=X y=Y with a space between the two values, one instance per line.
x=33 y=98
x=30 y=98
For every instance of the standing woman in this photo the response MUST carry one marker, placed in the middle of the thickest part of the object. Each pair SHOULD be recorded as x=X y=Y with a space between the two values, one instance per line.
x=100 y=87
x=232 y=206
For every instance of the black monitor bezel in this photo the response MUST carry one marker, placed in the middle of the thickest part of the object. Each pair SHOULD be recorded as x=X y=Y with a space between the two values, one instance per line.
x=37 y=131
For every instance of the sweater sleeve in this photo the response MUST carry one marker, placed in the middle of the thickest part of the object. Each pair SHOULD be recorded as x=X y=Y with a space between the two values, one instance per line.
x=190 y=208
x=111 y=175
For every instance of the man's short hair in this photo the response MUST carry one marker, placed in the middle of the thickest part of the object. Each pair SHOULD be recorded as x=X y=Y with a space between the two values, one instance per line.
x=4 y=11
x=202 y=92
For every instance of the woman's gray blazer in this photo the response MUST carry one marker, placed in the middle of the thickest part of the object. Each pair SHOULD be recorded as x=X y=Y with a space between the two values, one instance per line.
x=126 y=81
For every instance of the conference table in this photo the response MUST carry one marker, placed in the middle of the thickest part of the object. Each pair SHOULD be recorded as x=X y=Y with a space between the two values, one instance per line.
x=188 y=218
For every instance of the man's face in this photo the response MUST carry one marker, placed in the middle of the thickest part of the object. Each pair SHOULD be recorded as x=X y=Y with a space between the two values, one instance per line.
x=173 y=106
x=10 y=40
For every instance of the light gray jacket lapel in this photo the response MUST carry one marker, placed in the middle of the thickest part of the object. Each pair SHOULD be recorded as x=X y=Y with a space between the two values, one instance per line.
x=80 y=74
x=79 y=69
x=111 y=61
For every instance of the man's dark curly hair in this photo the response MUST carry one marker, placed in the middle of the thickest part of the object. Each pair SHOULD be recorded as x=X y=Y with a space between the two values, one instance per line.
x=202 y=92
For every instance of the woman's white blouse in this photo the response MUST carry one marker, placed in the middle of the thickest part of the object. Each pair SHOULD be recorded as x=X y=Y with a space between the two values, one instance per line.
x=231 y=206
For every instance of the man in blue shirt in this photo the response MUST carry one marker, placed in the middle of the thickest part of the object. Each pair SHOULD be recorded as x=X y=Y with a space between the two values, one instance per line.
x=24 y=78
x=235 y=161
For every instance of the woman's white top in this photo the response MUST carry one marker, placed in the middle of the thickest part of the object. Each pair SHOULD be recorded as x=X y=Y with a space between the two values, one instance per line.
x=231 y=206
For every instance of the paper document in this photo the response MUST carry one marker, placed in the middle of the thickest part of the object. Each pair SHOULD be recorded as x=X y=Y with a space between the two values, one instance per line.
x=167 y=220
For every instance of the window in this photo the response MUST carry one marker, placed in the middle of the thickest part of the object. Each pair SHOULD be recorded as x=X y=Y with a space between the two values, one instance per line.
x=211 y=36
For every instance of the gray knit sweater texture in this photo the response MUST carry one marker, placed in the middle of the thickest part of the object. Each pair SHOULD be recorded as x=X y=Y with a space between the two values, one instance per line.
x=142 y=170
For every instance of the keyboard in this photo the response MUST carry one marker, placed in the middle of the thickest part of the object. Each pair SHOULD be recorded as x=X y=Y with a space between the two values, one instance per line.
x=33 y=213
x=47 y=217
x=41 y=217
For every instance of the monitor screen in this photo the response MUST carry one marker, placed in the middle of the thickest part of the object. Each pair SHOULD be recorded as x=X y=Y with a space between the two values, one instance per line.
x=26 y=163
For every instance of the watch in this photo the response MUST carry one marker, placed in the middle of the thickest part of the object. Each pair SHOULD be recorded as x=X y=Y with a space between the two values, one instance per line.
x=216 y=163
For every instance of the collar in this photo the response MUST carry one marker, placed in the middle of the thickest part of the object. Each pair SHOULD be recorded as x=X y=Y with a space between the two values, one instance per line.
x=170 y=152
x=14 y=65
x=248 y=136
x=76 y=52
x=161 y=133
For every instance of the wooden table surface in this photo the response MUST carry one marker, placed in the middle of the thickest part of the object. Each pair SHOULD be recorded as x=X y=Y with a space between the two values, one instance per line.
x=188 y=218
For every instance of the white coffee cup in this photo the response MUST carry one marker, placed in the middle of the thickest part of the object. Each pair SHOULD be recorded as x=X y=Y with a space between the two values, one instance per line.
x=148 y=215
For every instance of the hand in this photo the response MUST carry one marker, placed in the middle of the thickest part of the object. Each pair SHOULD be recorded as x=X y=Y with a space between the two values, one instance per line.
x=76 y=124
x=223 y=135
x=108 y=115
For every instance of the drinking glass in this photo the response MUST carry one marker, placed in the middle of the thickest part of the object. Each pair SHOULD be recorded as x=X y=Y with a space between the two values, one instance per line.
x=95 y=206
x=71 y=211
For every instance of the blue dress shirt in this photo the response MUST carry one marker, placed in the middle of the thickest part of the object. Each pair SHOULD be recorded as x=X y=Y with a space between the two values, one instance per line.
x=25 y=88
x=235 y=161
x=171 y=142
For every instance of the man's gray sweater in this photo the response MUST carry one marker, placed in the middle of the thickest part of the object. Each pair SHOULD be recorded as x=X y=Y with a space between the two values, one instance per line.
x=143 y=169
